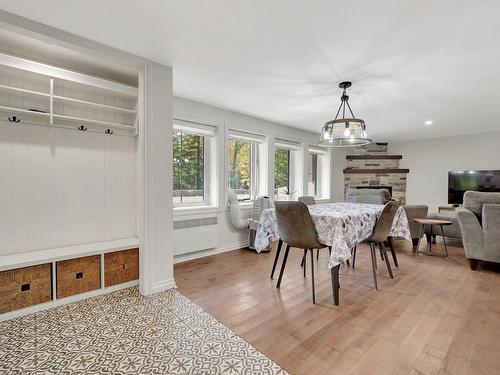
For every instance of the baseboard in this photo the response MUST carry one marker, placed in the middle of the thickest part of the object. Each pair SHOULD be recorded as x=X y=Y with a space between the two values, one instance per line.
x=209 y=252
x=161 y=286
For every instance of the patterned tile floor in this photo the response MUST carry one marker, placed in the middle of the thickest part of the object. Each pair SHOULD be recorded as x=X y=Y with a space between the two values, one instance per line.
x=126 y=333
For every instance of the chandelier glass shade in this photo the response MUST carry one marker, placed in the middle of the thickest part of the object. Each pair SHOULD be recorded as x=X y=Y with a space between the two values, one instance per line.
x=344 y=131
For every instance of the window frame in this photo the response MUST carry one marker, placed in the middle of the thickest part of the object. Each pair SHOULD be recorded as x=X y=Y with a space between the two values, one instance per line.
x=208 y=132
x=256 y=155
x=323 y=171
x=295 y=177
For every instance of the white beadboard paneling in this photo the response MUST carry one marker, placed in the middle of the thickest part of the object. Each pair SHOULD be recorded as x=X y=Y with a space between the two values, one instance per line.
x=120 y=186
x=61 y=187
x=6 y=186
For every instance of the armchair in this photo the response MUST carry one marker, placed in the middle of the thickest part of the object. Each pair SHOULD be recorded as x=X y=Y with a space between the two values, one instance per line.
x=479 y=222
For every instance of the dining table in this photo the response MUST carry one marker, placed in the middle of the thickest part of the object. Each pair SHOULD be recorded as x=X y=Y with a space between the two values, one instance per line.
x=339 y=225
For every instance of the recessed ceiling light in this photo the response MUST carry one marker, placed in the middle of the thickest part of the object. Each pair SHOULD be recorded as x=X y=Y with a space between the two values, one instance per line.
x=429 y=123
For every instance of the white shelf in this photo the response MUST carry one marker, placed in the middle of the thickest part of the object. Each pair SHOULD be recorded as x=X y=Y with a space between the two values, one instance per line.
x=19 y=260
x=22 y=110
x=105 y=124
x=94 y=104
x=23 y=91
x=68 y=75
x=72 y=98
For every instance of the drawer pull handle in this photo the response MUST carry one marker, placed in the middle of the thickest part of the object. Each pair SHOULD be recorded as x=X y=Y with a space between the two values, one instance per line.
x=25 y=287
x=123 y=266
x=79 y=275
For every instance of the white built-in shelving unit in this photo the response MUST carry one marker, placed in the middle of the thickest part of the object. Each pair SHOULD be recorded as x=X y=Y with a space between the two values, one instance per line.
x=40 y=94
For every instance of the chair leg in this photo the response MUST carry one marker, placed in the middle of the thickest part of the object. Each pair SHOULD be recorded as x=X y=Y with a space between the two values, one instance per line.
x=354 y=256
x=393 y=252
x=348 y=263
x=474 y=263
x=387 y=263
x=302 y=262
x=312 y=275
x=304 y=258
x=374 y=264
x=317 y=254
x=278 y=250
x=381 y=255
x=283 y=265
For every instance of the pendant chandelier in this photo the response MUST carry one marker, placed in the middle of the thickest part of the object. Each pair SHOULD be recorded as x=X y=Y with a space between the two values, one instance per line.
x=345 y=131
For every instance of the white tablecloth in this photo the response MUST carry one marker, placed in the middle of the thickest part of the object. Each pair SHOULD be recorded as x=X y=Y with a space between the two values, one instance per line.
x=339 y=225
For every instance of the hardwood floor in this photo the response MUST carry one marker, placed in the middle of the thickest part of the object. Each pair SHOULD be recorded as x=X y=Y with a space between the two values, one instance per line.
x=436 y=317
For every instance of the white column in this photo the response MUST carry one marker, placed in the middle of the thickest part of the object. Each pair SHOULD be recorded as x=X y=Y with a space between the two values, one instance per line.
x=155 y=180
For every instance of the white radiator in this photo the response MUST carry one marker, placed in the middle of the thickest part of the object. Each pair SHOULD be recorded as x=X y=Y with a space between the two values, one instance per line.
x=195 y=235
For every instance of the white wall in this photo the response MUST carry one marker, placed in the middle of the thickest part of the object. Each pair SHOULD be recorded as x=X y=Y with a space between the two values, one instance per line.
x=429 y=161
x=63 y=187
x=230 y=238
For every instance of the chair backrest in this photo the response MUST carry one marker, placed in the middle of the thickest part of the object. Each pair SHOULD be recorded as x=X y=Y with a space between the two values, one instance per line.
x=474 y=200
x=384 y=223
x=307 y=200
x=377 y=196
x=416 y=212
x=295 y=226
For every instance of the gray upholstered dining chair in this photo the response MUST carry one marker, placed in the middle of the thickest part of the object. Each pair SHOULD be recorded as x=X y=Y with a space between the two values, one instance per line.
x=307 y=200
x=379 y=236
x=296 y=229
x=416 y=230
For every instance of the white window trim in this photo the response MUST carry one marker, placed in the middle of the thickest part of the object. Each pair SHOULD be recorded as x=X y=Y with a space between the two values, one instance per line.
x=210 y=162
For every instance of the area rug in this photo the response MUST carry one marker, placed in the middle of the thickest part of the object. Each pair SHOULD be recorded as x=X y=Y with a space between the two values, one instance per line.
x=125 y=333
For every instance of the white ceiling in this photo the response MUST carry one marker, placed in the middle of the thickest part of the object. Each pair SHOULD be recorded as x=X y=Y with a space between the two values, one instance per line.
x=410 y=60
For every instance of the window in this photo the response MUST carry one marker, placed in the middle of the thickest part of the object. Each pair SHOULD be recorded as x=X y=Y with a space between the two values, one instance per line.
x=318 y=173
x=287 y=169
x=191 y=163
x=282 y=172
x=312 y=175
x=244 y=155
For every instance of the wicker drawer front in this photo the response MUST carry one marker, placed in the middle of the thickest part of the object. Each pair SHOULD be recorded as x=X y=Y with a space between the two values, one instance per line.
x=121 y=266
x=25 y=287
x=78 y=275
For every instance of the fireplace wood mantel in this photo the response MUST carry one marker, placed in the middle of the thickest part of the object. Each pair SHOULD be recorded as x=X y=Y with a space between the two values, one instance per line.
x=374 y=170
x=374 y=157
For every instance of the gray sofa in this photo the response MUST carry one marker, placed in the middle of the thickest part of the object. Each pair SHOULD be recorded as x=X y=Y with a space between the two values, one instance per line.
x=373 y=196
x=479 y=221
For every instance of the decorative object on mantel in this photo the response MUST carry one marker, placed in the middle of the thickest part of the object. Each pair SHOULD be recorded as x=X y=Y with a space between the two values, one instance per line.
x=373 y=168
x=345 y=131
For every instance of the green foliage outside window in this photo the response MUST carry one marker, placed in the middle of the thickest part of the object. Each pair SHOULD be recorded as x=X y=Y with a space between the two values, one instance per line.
x=239 y=155
x=189 y=167
x=282 y=171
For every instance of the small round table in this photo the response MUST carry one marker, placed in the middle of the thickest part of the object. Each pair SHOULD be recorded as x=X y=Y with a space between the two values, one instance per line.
x=432 y=222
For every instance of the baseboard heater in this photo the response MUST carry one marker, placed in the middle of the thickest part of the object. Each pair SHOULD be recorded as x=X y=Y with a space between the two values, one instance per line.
x=195 y=234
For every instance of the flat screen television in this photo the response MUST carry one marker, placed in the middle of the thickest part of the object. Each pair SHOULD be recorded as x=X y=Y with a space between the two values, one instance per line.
x=461 y=181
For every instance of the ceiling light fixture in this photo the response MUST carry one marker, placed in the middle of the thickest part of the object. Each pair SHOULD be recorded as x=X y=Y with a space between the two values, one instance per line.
x=345 y=131
x=429 y=123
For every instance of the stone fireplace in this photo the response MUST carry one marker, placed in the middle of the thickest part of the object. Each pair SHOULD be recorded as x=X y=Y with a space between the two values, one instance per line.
x=371 y=167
